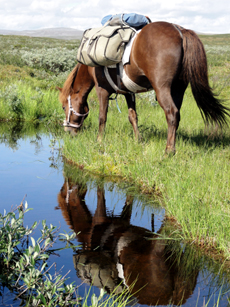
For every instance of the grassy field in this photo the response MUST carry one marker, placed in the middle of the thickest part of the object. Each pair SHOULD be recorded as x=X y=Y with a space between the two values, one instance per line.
x=193 y=185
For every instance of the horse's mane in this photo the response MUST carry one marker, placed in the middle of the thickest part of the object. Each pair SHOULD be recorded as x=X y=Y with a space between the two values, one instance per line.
x=68 y=85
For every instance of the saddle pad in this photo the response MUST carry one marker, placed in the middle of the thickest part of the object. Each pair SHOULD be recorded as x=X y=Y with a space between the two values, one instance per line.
x=128 y=47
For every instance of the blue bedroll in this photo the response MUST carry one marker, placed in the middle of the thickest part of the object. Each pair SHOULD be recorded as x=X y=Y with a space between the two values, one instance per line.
x=132 y=19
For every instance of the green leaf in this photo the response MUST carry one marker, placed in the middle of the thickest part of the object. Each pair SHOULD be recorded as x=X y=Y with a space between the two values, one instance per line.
x=16 y=243
x=9 y=235
x=47 y=241
x=12 y=221
x=43 y=223
x=42 y=298
x=44 y=256
x=49 y=295
x=27 y=259
x=34 y=225
x=10 y=249
x=30 y=250
x=35 y=255
x=37 y=248
x=33 y=241
x=33 y=261
x=43 y=266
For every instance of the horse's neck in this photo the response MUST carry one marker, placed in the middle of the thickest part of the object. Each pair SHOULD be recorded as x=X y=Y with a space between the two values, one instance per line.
x=84 y=79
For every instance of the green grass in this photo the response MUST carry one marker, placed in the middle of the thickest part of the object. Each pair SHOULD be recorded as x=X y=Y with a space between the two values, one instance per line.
x=20 y=101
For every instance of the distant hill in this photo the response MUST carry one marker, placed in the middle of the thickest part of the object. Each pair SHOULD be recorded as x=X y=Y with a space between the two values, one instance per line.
x=60 y=33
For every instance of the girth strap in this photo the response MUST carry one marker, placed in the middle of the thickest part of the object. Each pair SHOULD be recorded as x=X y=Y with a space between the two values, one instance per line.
x=122 y=76
x=114 y=86
x=128 y=83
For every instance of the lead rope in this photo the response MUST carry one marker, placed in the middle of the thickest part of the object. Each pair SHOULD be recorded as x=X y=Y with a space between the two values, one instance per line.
x=115 y=98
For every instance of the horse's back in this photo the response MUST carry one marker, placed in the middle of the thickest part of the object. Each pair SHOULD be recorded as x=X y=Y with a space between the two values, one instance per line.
x=161 y=34
x=157 y=52
x=158 y=39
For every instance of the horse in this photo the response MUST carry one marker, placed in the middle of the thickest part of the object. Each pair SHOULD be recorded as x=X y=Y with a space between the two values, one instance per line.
x=118 y=256
x=164 y=57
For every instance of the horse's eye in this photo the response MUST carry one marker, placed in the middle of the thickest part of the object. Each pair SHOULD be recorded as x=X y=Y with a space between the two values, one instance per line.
x=63 y=108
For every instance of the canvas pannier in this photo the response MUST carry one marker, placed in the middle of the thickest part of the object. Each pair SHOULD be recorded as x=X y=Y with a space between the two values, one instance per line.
x=104 y=46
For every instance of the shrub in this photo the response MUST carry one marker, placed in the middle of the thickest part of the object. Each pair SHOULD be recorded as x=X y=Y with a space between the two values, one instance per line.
x=55 y=60
x=12 y=100
x=24 y=268
x=9 y=58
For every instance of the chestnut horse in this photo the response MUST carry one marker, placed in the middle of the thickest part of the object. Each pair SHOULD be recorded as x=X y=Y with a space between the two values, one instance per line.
x=164 y=57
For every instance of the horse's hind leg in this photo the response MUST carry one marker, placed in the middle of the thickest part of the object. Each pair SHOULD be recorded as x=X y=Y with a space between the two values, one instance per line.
x=130 y=99
x=170 y=99
x=172 y=113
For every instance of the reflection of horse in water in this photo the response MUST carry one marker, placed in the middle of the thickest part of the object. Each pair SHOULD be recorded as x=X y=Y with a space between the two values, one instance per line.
x=116 y=255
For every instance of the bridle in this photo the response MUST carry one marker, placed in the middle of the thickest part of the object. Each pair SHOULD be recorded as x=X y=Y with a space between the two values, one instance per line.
x=67 y=123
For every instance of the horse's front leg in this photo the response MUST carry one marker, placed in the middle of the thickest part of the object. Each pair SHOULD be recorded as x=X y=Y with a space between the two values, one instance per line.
x=103 y=96
x=131 y=102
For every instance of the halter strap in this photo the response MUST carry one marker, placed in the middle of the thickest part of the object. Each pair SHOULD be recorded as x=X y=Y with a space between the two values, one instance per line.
x=71 y=109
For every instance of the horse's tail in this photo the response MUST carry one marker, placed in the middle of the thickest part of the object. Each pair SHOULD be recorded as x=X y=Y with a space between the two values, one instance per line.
x=195 y=71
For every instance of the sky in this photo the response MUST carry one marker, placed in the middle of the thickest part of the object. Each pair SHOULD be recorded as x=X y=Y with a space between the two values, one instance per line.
x=205 y=16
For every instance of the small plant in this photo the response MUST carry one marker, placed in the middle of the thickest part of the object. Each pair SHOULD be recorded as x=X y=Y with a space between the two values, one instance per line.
x=24 y=268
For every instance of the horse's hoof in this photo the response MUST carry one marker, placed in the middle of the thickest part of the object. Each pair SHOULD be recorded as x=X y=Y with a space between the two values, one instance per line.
x=170 y=152
x=139 y=138
x=99 y=138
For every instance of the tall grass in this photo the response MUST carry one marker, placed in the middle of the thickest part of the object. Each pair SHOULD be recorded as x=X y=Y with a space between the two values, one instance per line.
x=22 y=102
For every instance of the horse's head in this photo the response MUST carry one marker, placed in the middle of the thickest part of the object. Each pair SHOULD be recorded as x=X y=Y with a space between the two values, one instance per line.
x=73 y=97
x=76 y=110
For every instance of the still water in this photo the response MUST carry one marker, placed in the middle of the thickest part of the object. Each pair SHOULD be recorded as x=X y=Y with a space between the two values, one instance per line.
x=122 y=237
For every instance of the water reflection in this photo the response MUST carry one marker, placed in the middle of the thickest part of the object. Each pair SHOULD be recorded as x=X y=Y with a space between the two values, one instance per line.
x=11 y=133
x=116 y=255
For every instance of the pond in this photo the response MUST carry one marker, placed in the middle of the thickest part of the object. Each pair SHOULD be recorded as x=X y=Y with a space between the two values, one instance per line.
x=123 y=238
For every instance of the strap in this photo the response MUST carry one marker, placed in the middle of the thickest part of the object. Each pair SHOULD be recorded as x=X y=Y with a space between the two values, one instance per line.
x=114 y=86
x=178 y=29
x=128 y=83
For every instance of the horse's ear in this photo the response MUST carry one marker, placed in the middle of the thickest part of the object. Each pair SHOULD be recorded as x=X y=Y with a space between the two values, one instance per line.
x=58 y=88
